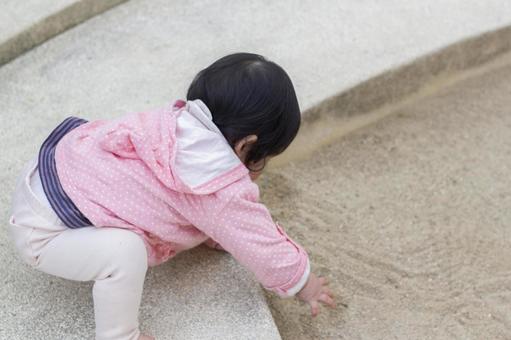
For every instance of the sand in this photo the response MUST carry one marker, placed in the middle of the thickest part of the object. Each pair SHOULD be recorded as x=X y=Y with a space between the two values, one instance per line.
x=410 y=220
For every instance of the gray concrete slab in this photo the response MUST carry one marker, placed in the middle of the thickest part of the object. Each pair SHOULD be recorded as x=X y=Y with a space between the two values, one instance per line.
x=17 y=16
x=202 y=294
x=25 y=24
x=151 y=49
x=143 y=54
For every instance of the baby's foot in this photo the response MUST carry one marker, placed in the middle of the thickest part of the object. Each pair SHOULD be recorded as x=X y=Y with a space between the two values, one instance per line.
x=145 y=337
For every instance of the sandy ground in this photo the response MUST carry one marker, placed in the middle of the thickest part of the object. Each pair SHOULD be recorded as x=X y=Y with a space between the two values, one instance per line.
x=410 y=219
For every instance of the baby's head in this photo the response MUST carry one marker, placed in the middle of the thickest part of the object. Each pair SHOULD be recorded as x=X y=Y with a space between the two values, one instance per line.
x=253 y=103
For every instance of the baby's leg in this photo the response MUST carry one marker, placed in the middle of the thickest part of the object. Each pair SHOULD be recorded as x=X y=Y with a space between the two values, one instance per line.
x=116 y=260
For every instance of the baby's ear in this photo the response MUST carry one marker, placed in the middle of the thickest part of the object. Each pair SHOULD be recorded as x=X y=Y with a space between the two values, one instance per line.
x=251 y=139
x=243 y=146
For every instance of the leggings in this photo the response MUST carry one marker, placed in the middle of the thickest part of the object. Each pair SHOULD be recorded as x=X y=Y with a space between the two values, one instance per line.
x=116 y=259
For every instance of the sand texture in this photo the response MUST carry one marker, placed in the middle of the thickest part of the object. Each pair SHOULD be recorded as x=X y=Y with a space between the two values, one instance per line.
x=409 y=218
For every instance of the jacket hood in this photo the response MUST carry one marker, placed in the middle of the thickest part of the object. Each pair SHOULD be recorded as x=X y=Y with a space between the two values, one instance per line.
x=204 y=160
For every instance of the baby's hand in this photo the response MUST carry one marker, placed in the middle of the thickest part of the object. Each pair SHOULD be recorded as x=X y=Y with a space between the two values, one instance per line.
x=316 y=290
x=213 y=244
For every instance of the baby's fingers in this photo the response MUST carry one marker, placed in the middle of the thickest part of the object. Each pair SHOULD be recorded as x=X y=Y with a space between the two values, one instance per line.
x=328 y=292
x=314 y=308
x=327 y=299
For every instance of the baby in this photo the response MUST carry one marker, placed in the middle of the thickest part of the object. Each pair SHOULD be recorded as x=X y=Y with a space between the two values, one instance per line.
x=105 y=199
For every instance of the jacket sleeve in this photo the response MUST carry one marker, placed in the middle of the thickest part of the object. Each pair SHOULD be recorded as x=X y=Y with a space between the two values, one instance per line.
x=235 y=219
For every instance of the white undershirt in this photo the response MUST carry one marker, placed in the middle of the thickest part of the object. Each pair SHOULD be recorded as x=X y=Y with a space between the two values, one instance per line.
x=37 y=188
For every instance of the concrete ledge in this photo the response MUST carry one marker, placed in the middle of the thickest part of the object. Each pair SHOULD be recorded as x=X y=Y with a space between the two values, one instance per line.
x=203 y=294
x=29 y=23
x=393 y=85
x=374 y=98
x=142 y=55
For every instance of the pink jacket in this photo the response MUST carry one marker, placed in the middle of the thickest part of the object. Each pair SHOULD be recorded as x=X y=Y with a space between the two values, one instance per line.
x=170 y=176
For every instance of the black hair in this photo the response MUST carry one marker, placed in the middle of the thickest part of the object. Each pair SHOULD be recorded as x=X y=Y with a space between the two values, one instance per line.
x=246 y=95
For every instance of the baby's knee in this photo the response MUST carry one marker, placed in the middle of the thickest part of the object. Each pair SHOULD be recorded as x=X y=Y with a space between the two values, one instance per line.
x=129 y=251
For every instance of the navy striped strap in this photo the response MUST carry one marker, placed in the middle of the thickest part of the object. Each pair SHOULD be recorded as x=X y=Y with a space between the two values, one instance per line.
x=60 y=202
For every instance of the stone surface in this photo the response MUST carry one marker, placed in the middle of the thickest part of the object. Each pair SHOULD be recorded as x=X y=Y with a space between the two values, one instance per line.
x=200 y=294
x=143 y=54
x=25 y=24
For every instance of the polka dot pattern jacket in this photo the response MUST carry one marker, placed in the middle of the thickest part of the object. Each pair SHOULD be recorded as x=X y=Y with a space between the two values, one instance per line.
x=170 y=176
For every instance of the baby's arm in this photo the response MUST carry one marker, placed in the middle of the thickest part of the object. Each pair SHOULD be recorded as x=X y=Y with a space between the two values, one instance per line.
x=235 y=219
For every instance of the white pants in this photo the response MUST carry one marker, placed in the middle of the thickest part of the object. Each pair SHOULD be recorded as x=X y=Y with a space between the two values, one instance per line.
x=116 y=259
